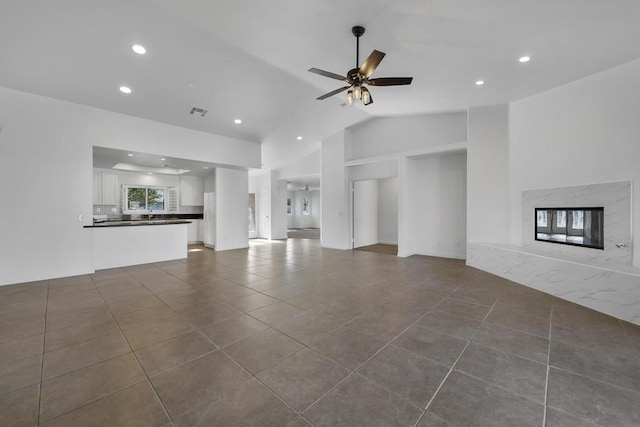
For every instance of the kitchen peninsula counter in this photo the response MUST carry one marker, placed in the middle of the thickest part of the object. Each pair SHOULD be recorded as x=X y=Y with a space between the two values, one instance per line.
x=124 y=243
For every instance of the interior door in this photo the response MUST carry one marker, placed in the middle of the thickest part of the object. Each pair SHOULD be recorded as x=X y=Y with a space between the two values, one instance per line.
x=253 y=223
x=264 y=210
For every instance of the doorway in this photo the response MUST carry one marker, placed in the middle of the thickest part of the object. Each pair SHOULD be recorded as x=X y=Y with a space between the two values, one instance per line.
x=303 y=209
x=375 y=215
x=264 y=209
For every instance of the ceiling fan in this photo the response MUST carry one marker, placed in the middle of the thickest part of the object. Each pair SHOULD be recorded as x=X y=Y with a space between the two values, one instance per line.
x=358 y=78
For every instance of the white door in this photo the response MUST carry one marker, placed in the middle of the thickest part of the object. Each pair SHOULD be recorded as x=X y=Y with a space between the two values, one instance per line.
x=264 y=209
x=253 y=223
x=365 y=213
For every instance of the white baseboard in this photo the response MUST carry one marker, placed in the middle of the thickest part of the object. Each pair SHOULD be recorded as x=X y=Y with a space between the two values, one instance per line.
x=388 y=242
x=442 y=255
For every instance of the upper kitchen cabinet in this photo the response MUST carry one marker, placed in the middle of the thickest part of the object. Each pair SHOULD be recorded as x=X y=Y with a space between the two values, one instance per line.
x=105 y=188
x=191 y=191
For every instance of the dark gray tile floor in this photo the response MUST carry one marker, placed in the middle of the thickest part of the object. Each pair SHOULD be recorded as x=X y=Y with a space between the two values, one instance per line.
x=288 y=333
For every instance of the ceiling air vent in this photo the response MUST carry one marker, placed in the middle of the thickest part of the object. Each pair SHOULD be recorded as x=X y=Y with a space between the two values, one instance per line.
x=198 y=110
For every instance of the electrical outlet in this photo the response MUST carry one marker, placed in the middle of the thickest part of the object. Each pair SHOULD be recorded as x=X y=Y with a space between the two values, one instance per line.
x=98 y=210
x=114 y=210
x=80 y=218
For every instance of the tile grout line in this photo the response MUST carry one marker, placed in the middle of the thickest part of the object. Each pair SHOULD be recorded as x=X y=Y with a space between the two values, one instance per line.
x=218 y=348
x=629 y=339
x=44 y=340
x=453 y=366
x=546 y=382
x=155 y=392
x=355 y=371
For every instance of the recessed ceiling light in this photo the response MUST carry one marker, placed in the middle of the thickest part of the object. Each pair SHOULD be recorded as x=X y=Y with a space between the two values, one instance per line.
x=479 y=82
x=524 y=59
x=163 y=159
x=149 y=173
x=237 y=121
x=130 y=155
x=205 y=167
x=125 y=89
x=140 y=50
x=299 y=138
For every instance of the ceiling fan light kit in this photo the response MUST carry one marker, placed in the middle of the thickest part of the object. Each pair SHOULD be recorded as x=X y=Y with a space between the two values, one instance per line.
x=358 y=78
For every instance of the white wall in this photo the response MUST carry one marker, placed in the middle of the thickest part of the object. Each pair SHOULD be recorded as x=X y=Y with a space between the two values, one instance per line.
x=385 y=135
x=48 y=144
x=488 y=175
x=308 y=165
x=365 y=213
x=278 y=207
x=334 y=230
x=232 y=188
x=585 y=132
x=376 y=170
x=436 y=195
x=388 y=137
x=388 y=211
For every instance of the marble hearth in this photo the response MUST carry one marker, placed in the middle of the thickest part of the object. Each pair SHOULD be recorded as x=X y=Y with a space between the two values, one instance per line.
x=604 y=280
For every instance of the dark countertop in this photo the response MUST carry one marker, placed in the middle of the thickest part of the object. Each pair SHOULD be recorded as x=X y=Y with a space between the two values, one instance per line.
x=137 y=223
x=136 y=217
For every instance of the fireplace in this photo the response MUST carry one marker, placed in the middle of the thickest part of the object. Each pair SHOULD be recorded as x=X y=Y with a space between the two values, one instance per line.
x=570 y=226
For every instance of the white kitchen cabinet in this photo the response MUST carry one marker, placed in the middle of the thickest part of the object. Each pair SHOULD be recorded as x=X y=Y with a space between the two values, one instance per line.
x=106 y=190
x=110 y=189
x=191 y=191
x=97 y=188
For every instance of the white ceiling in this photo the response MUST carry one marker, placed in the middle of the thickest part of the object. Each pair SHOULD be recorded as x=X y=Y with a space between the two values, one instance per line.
x=107 y=158
x=249 y=59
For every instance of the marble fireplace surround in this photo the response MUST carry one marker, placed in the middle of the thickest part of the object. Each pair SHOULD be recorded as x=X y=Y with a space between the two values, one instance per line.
x=603 y=280
x=615 y=197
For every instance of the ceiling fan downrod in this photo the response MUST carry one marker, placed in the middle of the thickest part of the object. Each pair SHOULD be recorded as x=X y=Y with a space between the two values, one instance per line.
x=357 y=31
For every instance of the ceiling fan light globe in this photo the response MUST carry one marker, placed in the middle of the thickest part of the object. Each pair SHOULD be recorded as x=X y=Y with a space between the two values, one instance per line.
x=357 y=92
x=366 y=96
x=350 y=98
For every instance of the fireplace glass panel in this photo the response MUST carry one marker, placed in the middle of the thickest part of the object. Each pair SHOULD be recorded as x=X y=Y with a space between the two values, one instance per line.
x=571 y=226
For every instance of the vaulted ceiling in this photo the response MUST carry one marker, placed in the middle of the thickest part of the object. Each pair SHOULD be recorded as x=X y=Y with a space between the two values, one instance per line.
x=248 y=59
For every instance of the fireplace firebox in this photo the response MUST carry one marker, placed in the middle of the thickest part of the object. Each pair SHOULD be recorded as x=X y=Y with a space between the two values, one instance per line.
x=571 y=226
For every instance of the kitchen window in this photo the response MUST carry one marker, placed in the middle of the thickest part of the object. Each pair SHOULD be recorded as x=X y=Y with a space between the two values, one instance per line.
x=144 y=199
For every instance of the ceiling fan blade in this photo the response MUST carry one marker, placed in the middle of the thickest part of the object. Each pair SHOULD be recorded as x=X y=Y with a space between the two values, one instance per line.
x=371 y=63
x=335 y=92
x=390 y=81
x=328 y=74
